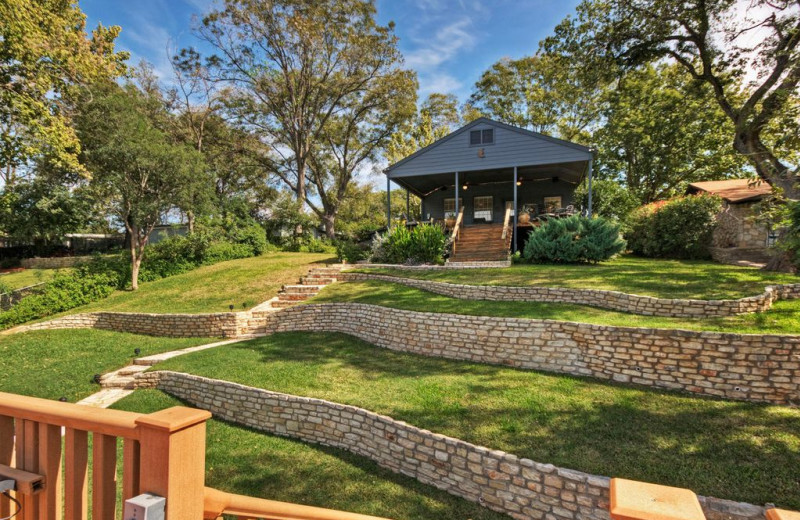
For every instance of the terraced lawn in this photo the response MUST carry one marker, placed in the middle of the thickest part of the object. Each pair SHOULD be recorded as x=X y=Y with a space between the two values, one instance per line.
x=782 y=318
x=242 y=283
x=61 y=363
x=646 y=276
x=733 y=450
x=242 y=461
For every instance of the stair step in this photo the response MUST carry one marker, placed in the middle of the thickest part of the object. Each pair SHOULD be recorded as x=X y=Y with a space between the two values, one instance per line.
x=294 y=297
x=131 y=370
x=314 y=280
x=280 y=304
x=302 y=288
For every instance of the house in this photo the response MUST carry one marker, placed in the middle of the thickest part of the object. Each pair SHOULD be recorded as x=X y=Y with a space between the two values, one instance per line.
x=738 y=236
x=475 y=177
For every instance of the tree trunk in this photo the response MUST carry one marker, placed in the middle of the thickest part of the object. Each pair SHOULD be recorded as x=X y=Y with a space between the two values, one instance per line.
x=190 y=218
x=136 y=257
x=329 y=220
x=768 y=167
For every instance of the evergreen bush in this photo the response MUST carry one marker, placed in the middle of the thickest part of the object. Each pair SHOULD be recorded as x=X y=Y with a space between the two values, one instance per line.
x=678 y=228
x=572 y=240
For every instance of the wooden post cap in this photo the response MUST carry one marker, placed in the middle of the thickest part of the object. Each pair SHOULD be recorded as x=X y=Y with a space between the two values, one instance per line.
x=782 y=514
x=631 y=500
x=174 y=419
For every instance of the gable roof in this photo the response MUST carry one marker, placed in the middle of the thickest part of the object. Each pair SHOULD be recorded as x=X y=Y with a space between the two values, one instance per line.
x=492 y=122
x=733 y=190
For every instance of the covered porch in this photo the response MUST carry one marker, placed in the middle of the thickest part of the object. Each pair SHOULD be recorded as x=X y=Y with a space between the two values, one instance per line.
x=531 y=176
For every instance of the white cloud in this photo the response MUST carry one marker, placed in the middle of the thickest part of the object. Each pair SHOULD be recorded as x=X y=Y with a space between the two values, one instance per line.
x=438 y=82
x=447 y=43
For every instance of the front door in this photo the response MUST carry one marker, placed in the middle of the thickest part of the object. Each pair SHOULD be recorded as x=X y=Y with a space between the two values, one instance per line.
x=483 y=209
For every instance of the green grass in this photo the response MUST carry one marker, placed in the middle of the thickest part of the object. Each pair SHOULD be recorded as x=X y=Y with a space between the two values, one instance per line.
x=242 y=283
x=739 y=451
x=28 y=277
x=246 y=462
x=782 y=318
x=646 y=276
x=55 y=363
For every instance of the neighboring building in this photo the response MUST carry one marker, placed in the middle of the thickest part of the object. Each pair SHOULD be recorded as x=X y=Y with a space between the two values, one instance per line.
x=486 y=168
x=163 y=231
x=738 y=236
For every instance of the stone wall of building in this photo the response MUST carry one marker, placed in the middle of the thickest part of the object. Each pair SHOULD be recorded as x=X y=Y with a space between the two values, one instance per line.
x=60 y=262
x=614 y=300
x=222 y=324
x=519 y=487
x=764 y=368
x=736 y=227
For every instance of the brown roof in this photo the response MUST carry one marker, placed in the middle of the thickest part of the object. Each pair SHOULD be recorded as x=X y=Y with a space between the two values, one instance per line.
x=734 y=190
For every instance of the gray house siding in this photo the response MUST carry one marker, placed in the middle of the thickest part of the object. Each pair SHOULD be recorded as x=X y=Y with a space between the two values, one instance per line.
x=510 y=147
x=532 y=193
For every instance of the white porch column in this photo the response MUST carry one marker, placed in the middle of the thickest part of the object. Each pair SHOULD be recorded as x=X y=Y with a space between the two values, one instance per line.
x=515 y=210
x=388 y=202
x=589 y=209
x=457 y=188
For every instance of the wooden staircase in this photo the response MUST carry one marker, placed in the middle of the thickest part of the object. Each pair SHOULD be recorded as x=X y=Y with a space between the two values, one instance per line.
x=480 y=243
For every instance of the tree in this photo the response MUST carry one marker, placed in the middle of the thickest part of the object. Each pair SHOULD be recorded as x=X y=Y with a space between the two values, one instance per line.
x=543 y=93
x=715 y=42
x=662 y=130
x=40 y=212
x=363 y=211
x=45 y=56
x=135 y=165
x=609 y=199
x=294 y=64
x=437 y=117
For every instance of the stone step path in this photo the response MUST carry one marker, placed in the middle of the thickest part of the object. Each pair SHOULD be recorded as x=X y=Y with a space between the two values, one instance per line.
x=120 y=383
x=310 y=285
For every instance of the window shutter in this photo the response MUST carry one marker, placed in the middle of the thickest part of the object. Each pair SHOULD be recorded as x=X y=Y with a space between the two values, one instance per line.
x=475 y=137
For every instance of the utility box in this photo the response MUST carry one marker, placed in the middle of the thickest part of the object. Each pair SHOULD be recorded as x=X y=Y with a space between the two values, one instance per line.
x=145 y=507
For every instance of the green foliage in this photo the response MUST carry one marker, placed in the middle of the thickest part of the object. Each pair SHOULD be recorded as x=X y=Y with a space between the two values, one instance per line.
x=574 y=239
x=609 y=199
x=661 y=131
x=423 y=244
x=348 y=250
x=42 y=212
x=678 y=228
x=64 y=292
x=790 y=241
x=45 y=57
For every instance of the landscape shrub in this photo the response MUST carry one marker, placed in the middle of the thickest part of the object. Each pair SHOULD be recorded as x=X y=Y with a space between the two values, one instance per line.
x=574 y=239
x=423 y=244
x=678 y=228
x=63 y=292
x=350 y=251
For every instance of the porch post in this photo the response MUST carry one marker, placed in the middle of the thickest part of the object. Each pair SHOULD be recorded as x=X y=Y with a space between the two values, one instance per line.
x=514 y=231
x=457 y=188
x=408 y=206
x=388 y=202
x=589 y=209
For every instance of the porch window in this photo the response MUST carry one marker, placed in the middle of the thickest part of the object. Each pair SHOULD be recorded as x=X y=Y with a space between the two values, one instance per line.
x=483 y=208
x=551 y=204
x=449 y=208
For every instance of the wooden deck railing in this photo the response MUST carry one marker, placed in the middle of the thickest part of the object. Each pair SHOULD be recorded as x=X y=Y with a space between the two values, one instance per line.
x=457 y=228
x=506 y=227
x=163 y=453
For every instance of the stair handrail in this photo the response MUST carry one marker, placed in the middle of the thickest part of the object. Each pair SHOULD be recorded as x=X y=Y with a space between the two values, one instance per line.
x=217 y=503
x=457 y=228
x=506 y=221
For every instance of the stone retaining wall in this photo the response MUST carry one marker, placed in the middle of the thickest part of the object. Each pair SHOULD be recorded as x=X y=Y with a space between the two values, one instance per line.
x=483 y=264
x=751 y=367
x=614 y=300
x=500 y=481
x=59 y=262
x=223 y=324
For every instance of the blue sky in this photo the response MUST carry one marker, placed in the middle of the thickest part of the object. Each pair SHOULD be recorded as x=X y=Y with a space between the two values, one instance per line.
x=448 y=42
